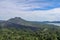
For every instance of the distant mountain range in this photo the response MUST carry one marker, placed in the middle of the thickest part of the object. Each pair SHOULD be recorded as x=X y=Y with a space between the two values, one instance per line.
x=51 y=22
x=18 y=22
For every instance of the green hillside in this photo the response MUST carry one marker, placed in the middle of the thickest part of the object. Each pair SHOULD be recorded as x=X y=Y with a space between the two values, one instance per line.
x=19 y=29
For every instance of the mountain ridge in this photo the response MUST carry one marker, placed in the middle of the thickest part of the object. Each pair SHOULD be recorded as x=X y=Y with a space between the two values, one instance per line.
x=20 y=21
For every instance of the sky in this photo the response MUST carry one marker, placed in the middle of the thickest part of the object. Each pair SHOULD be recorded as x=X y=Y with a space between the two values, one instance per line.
x=31 y=10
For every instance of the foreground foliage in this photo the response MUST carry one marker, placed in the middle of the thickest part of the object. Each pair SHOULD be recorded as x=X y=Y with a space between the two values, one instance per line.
x=28 y=34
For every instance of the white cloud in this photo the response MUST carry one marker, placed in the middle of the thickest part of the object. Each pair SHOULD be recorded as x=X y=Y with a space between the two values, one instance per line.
x=9 y=9
x=50 y=15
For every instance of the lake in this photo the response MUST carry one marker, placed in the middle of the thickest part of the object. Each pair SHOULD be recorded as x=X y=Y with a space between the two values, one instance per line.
x=58 y=24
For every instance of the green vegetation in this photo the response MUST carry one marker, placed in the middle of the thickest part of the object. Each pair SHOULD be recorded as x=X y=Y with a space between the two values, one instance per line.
x=18 y=29
x=13 y=33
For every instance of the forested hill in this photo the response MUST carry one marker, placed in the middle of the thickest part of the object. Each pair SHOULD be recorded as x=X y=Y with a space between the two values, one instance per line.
x=19 y=29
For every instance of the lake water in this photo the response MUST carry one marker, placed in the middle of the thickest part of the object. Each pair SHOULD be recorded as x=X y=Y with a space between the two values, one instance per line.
x=58 y=24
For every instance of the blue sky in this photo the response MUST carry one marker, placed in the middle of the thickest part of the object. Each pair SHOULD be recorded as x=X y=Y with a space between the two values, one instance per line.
x=32 y=10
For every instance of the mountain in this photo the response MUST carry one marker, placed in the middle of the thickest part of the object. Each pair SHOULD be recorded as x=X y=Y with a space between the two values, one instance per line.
x=20 y=29
x=50 y=22
x=20 y=21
